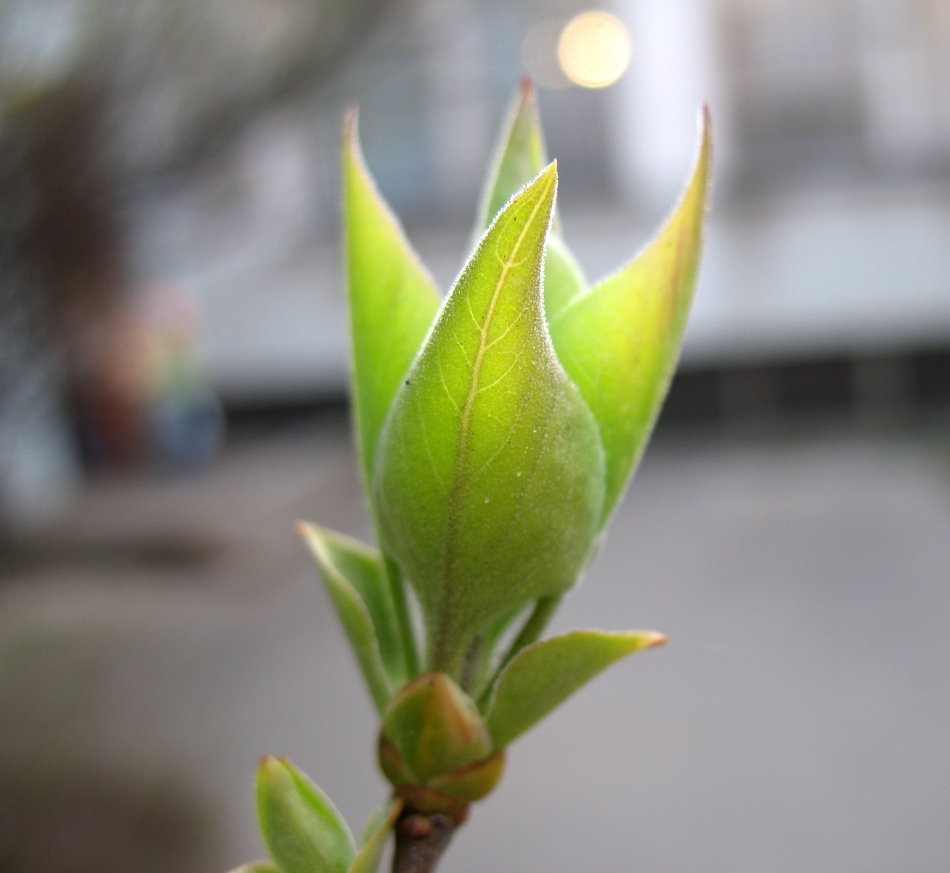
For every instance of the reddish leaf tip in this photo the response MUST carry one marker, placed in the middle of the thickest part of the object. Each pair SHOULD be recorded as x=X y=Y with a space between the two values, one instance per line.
x=351 y=117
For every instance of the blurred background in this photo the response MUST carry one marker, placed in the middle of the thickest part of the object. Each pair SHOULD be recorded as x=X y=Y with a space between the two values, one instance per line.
x=173 y=384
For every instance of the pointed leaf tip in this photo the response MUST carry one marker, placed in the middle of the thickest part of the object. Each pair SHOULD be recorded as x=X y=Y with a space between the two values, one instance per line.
x=303 y=830
x=489 y=446
x=545 y=674
x=519 y=155
x=620 y=341
x=356 y=582
x=392 y=298
x=377 y=832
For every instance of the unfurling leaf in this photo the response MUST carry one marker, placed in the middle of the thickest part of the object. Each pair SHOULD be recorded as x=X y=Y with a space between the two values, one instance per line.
x=378 y=829
x=392 y=298
x=489 y=480
x=435 y=726
x=619 y=342
x=356 y=583
x=302 y=828
x=547 y=673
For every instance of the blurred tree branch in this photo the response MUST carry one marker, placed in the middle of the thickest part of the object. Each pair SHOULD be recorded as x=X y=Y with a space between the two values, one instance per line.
x=102 y=98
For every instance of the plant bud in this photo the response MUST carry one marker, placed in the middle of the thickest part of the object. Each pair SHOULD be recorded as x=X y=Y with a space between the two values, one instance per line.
x=435 y=726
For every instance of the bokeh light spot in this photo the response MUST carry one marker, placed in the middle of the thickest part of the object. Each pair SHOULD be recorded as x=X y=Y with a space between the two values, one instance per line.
x=539 y=53
x=594 y=50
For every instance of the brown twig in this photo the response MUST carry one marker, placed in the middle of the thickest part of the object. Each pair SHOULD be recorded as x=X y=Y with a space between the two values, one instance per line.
x=421 y=840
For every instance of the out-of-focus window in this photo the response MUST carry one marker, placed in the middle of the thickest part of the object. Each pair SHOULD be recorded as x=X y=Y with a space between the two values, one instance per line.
x=822 y=87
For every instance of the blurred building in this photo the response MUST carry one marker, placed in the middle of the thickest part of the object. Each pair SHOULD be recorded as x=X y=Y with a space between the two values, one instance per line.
x=831 y=214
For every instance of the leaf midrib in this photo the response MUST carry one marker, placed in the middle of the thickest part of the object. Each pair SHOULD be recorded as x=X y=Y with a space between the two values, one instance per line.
x=460 y=480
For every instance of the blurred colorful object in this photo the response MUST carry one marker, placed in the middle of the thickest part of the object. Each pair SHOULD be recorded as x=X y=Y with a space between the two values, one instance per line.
x=144 y=395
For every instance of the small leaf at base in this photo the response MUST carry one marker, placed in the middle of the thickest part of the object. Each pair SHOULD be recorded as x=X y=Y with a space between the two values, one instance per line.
x=547 y=673
x=303 y=830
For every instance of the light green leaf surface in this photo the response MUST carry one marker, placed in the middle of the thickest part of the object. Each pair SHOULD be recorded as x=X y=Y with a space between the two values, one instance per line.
x=489 y=482
x=357 y=586
x=547 y=673
x=435 y=726
x=619 y=342
x=257 y=867
x=392 y=298
x=519 y=156
x=378 y=829
x=303 y=830
x=564 y=280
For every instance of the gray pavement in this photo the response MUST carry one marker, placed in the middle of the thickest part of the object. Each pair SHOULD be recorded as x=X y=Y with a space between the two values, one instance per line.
x=172 y=630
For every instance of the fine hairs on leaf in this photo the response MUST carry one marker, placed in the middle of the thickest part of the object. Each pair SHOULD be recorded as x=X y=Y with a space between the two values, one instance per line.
x=496 y=431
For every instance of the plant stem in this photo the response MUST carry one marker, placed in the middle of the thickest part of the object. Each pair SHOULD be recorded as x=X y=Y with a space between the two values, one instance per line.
x=420 y=841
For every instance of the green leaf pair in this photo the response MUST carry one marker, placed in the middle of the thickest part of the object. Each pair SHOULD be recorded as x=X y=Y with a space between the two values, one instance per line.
x=497 y=430
x=434 y=734
x=305 y=832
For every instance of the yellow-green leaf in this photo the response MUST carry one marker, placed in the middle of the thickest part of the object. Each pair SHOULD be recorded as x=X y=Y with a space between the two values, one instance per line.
x=303 y=830
x=473 y=781
x=489 y=481
x=619 y=342
x=547 y=673
x=356 y=582
x=392 y=298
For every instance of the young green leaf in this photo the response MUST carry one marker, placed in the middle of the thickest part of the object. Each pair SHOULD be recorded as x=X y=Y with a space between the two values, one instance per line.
x=435 y=726
x=489 y=481
x=392 y=298
x=377 y=832
x=356 y=583
x=520 y=154
x=547 y=673
x=303 y=830
x=619 y=342
x=394 y=767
